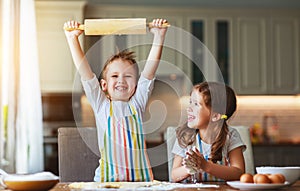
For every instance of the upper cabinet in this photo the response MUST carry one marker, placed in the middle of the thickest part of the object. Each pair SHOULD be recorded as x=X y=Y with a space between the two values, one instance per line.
x=285 y=47
x=256 y=51
x=266 y=57
x=57 y=70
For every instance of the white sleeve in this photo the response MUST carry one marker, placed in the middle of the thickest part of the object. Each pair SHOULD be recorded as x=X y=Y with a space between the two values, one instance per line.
x=93 y=92
x=143 y=92
x=178 y=150
x=235 y=140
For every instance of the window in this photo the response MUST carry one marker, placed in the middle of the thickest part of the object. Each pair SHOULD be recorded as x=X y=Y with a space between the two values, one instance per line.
x=197 y=31
x=223 y=48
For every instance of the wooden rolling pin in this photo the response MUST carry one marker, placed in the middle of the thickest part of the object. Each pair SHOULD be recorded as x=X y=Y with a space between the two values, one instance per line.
x=114 y=26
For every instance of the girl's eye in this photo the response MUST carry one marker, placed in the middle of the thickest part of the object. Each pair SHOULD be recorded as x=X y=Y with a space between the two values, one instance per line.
x=127 y=76
x=114 y=76
x=194 y=103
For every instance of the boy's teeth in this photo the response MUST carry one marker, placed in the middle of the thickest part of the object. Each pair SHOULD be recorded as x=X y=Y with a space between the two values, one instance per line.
x=120 y=88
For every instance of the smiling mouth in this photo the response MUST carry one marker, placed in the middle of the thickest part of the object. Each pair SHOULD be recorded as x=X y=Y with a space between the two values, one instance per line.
x=191 y=118
x=119 y=88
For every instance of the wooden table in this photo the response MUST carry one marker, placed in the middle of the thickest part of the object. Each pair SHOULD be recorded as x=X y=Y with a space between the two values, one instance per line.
x=223 y=186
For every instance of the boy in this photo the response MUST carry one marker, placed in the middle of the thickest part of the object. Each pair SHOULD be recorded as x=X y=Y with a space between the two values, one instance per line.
x=118 y=106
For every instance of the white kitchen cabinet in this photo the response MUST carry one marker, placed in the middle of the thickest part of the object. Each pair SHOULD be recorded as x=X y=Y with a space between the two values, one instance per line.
x=250 y=69
x=263 y=49
x=285 y=55
x=57 y=70
x=266 y=57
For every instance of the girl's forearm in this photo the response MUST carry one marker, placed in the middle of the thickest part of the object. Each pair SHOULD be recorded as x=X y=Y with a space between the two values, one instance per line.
x=223 y=172
x=179 y=174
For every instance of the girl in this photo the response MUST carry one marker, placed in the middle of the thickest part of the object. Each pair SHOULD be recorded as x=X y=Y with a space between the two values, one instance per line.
x=206 y=147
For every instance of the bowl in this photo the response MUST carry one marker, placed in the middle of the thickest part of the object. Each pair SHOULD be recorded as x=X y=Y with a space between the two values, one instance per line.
x=38 y=185
x=292 y=174
x=37 y=181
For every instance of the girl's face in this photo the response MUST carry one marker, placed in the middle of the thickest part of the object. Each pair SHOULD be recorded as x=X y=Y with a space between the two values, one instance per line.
x=120 y=81
x=198 y=113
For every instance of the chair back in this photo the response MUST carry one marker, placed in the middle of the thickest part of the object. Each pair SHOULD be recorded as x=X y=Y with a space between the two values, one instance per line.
x=170 y=137
x=248 y=153
x=78 y=154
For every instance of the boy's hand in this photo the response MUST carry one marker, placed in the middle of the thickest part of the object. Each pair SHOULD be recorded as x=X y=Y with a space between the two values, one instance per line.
x=156 y=27
x=74 y=25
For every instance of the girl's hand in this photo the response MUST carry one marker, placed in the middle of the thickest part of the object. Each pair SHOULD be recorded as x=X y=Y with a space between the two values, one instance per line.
x=190 y=169
x=156 y=27
x=194 y=161
x=73 y=25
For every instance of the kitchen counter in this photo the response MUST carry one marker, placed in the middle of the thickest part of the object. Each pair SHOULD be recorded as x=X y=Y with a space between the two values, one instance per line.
x=276 y=154
x=222 y=186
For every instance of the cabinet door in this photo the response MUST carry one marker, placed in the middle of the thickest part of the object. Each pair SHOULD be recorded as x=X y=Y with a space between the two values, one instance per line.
x=285 y=56
x=250 y=71
x=57 y=70
x=211 y=49
x=172 y=57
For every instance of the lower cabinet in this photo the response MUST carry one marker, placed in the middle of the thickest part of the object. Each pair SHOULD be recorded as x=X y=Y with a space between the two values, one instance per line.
x=276 y=155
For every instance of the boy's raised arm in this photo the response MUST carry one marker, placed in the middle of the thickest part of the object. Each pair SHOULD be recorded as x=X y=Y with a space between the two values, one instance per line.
x=78 y=56
x=156 y=49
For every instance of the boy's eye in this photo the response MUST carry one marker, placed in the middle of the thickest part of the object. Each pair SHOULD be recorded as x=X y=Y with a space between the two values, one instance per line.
x=114 y=76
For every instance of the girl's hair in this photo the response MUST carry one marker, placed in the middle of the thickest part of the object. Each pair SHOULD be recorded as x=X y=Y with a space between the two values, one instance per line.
x=124 y=55
x=221 y=99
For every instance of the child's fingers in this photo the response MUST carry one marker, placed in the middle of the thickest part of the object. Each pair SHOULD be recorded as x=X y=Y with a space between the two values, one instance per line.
x=155 y=22
x=71 y=24
x=195 y=149
x=187 y=162
x=190 y=162
x=190 y=169
x=158 y=22
x=191 y=153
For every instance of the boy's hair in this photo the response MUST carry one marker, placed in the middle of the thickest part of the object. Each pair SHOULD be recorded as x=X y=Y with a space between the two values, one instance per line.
x=124 y=55
x=214 y=98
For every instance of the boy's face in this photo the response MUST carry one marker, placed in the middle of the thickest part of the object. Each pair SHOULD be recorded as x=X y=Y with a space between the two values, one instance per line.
x=120 y=80
x=198 y=113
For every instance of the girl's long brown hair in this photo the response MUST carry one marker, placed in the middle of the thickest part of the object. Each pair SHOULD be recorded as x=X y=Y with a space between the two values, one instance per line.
x=219 y=98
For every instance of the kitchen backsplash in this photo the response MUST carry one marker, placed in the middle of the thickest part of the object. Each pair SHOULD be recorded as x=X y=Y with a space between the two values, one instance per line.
x=250 y=111
x=286 y=109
